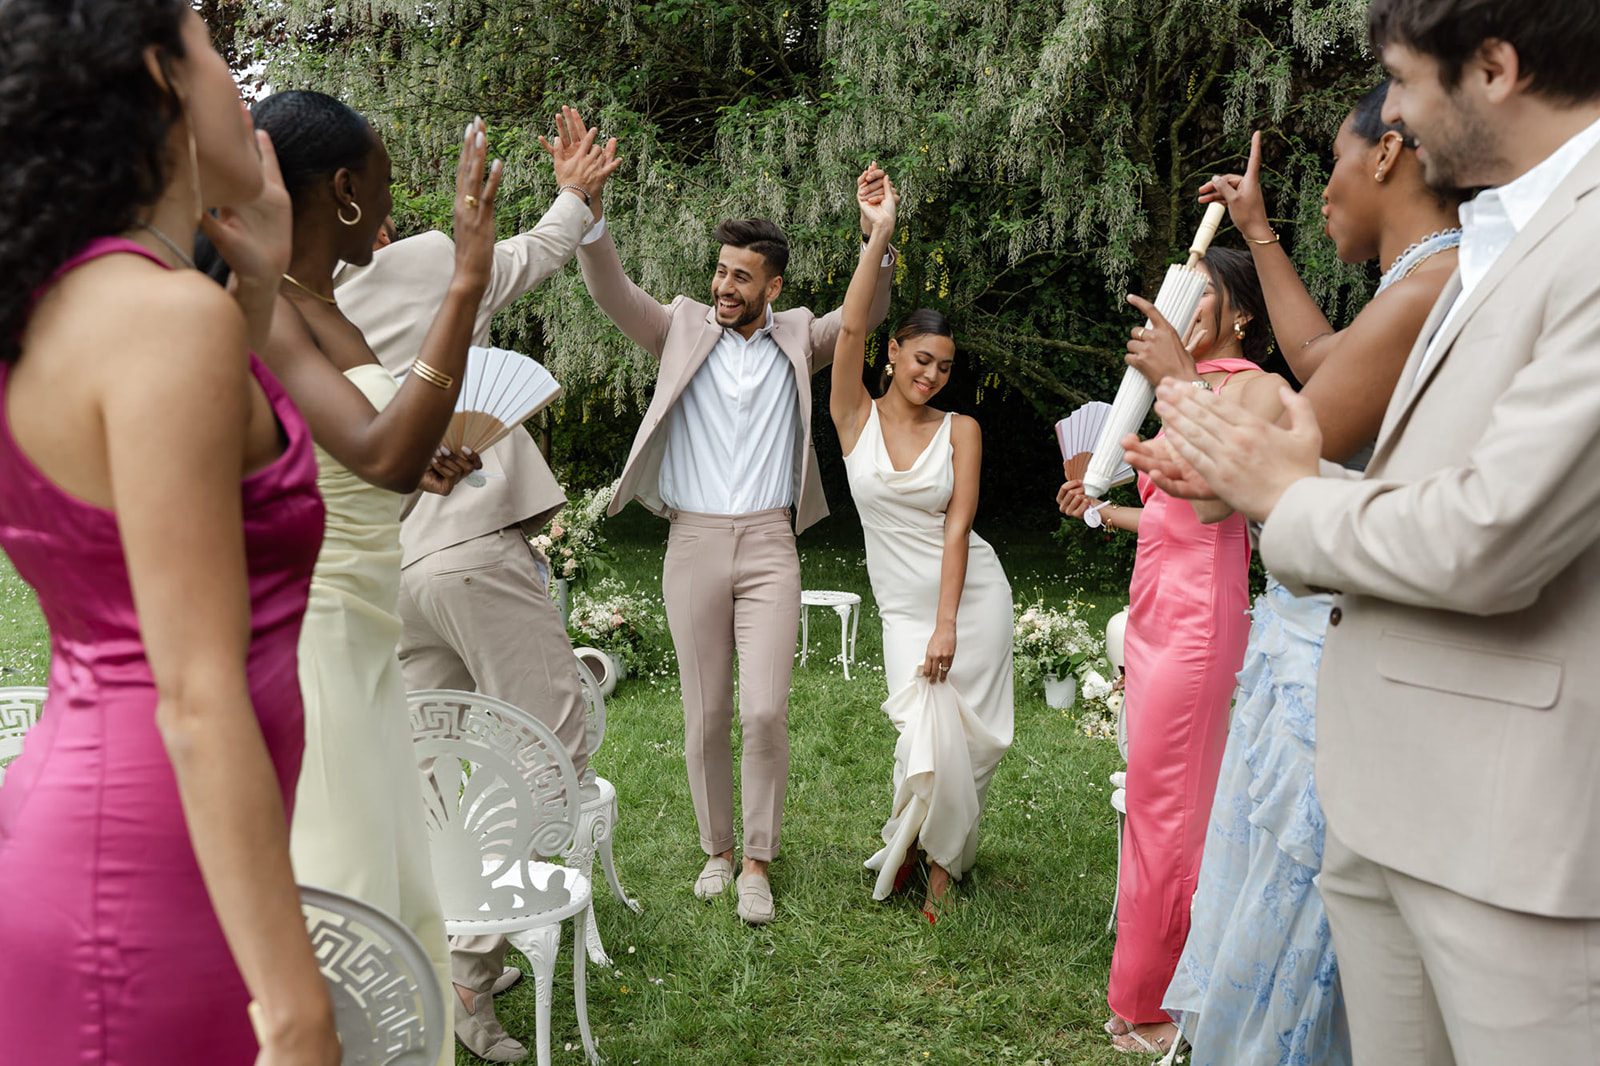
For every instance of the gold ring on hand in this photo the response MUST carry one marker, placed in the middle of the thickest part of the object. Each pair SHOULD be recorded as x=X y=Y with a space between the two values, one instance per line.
x=471 y=201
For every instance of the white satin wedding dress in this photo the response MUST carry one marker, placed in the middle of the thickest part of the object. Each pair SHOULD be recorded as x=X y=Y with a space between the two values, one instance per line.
x=951 y=734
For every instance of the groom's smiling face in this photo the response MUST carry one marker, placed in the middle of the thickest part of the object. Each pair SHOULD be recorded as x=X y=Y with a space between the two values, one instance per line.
x=742 y=286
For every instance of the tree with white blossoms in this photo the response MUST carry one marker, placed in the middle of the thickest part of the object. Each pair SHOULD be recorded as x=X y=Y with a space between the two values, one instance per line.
x=1048 y=150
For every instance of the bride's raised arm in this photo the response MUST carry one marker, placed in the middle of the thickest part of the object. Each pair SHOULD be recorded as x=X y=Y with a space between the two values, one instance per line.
x=850 y=402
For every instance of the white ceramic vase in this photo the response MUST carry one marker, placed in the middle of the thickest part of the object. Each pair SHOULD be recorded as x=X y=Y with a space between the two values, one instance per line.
x=606 y=670
x=1060 y=692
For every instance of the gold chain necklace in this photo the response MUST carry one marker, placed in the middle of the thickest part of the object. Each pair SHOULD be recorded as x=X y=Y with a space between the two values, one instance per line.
x=329 y=300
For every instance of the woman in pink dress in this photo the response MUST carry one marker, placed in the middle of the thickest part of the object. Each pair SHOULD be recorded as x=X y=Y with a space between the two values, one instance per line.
x=157 y=489
x=1188 y=623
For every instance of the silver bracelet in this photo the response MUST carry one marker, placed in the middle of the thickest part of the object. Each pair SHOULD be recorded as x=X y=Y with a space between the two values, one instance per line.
x=1200 y=384
x=579 y=189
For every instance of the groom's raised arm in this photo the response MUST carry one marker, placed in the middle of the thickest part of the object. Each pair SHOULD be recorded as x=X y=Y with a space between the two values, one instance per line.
x=638 y=314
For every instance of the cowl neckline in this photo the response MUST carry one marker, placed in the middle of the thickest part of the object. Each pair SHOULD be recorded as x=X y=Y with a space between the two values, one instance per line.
x=913 y=476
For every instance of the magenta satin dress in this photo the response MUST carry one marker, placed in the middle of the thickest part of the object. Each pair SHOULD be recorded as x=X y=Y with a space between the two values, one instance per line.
x=1188 y=623
x=110 y=952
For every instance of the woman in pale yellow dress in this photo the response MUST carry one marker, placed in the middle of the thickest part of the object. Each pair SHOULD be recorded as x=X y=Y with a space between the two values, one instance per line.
x=359 y=825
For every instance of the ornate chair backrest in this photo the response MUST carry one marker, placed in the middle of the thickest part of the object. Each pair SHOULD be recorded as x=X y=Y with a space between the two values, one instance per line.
x=595 y=714
x=19 y=710
x=500 y=791
x=387 y=1003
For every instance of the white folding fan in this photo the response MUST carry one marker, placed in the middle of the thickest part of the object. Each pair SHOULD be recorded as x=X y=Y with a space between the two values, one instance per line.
x=1077 y=435
x=500 y=390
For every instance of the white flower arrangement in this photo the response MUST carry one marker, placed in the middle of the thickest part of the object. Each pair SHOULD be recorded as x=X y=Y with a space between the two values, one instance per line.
x=628 y=625
x=573 y=542
x=1048 y=642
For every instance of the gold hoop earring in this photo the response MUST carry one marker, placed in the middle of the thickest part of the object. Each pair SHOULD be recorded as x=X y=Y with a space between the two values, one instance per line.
x=351 y=221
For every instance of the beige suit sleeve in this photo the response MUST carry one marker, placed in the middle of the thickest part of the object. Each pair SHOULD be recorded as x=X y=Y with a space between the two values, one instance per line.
x=1485 y=536
x=523 y=262
x=825 y=330
x=635 y=312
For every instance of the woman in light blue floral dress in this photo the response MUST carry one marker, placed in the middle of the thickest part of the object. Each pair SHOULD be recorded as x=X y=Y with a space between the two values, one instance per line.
x=1258 y=982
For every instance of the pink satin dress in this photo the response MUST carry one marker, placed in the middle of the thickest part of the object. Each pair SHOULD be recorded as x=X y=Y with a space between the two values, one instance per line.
x=1188 y=623
x=110 y=953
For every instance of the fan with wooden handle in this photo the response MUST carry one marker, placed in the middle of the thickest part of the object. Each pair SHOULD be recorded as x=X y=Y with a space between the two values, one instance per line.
x=1078 y=433
x=1178 y=300
x=500 y=390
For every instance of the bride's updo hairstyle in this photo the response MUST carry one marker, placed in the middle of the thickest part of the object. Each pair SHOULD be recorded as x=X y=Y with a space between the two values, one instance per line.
x=84 y=128
x=923 y=322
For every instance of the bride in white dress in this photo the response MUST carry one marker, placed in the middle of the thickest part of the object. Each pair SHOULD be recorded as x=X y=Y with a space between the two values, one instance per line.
x=944 y=600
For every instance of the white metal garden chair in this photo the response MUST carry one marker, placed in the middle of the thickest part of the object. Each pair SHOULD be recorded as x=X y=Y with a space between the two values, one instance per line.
x=19 y=710
x=387 y=1003
x=597 y=816
x=499 y=791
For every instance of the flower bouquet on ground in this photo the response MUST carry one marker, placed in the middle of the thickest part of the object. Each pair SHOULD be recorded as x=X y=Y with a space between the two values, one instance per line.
x=1063 y=651
x=573 y=542
x=628 y=625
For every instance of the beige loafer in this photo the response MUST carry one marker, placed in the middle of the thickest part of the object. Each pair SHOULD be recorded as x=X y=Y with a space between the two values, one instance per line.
x=755 y=899
x=714 y=879
x=508 y=977
x=481 y=1033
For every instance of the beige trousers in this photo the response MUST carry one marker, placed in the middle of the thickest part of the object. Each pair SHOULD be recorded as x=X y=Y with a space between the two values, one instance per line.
x=1433 y=978
x=477 y=616
x=732 y=586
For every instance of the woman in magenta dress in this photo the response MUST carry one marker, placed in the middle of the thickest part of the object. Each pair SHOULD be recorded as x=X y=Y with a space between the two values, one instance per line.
x=1188 y=623
x=157 y=490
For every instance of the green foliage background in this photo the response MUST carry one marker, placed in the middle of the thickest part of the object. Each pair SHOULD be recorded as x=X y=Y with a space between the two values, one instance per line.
x=1048 y=150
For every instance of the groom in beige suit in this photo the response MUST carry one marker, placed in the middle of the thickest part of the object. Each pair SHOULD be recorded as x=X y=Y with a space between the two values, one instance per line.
x=474 y=604
x=1458 y=706
x=725 y=453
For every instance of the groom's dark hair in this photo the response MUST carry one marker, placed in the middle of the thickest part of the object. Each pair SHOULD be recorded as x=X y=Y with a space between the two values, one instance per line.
x=761 y=236
x=1556 y=40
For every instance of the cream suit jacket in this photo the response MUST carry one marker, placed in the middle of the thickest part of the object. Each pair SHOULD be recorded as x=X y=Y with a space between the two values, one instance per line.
x=393 y=302
x=1458 y=707
x=681 y=334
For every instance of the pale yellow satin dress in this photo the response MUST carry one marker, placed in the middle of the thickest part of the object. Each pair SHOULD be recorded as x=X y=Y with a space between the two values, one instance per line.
x=358 y=820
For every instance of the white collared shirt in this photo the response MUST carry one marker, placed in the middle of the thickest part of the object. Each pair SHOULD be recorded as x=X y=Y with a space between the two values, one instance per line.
x=1491 y=221
x=732 y=436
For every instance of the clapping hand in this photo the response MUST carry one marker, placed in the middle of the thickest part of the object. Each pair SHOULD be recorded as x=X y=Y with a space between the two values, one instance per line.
x=1156 y=350
x=1166 y=468
x=578 y=159
x=1242 y=193
x=1248 y=461
x=878 y=199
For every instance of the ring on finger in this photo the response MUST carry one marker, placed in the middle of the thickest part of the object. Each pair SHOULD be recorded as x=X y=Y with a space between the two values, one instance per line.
x=470 y=201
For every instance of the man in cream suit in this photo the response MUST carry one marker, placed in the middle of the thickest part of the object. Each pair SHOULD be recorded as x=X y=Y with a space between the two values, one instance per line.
x=473 y=599
x=1458 y=710
x=725 y=453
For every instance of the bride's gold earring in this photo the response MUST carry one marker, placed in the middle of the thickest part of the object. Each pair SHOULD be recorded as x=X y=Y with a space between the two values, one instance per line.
x=890 y=371
x=351 y=221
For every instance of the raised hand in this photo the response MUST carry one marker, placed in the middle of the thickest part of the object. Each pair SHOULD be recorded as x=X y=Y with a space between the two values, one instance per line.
x=474 y=208
x=870 y=188
x=578 y=159
x=256 y=237
x=1156 y=350
x=1242 y=193
x=878 y=200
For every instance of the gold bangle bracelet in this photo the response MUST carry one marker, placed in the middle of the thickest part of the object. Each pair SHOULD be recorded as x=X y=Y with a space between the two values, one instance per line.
x=432 y=376
x=1271 y=240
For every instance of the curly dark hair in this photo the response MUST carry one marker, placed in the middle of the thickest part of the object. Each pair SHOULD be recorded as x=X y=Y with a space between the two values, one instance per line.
x=85 y=129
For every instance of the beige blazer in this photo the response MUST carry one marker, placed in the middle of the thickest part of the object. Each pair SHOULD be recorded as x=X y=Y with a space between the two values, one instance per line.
x=681 y=334
x=1458 y=707
x=393 y=302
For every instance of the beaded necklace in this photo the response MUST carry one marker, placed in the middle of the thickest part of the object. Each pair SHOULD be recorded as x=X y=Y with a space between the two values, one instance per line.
x=1413 y=257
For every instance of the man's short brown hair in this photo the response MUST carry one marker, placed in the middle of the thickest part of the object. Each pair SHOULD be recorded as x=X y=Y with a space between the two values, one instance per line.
x=759 y=235
x=1557 y=41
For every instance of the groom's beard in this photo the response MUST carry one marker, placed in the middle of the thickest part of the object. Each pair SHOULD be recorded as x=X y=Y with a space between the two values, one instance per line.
x=746 y=315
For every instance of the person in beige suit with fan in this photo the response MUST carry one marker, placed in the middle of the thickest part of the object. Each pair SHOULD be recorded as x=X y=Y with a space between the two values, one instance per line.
x=725 y=453
x=474 y=602
x=1458 y=733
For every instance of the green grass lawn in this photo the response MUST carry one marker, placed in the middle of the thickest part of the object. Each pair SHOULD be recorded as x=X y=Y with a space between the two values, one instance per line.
x=1015 y=969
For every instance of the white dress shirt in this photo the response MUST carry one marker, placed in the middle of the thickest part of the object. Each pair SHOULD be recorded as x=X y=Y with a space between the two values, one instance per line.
x=732 y=435
x=1491 y=221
